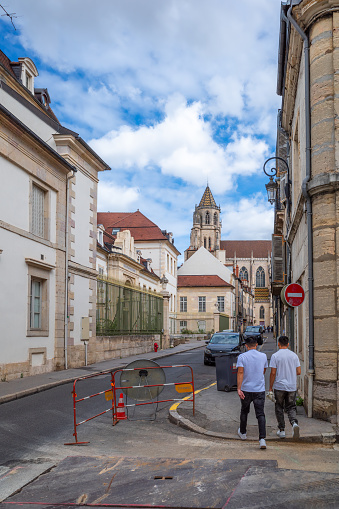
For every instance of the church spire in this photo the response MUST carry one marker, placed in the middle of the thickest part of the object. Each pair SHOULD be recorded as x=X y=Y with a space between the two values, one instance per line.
x=207 y=199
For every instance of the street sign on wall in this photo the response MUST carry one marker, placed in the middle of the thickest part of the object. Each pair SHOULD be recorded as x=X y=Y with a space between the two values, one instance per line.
x=293 y=295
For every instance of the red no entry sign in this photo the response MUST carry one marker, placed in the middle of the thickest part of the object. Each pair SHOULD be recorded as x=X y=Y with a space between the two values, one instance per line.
x=293 y=295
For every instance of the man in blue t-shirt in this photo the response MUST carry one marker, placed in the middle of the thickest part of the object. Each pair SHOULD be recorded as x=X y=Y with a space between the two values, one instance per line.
x=285 y=367
x=251 y=388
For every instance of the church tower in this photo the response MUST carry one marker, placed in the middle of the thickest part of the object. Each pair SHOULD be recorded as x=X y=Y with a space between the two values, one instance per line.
x=206 y=229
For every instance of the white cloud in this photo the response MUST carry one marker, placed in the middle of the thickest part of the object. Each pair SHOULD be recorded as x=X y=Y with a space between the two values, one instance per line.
x=182 y=146
x=250 y=218
x=115 y=198
x=221 y=53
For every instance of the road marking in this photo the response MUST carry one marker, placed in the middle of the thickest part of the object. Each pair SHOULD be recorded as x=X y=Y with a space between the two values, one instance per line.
x=175 y=406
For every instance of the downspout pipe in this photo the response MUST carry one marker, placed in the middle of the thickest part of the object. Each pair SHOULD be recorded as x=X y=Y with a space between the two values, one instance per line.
x=305 y=38
x=68 y=178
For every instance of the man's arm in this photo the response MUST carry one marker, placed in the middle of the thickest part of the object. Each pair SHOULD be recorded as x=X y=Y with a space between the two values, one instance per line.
x=299 y=370
x=240 y=377
x=272 y=377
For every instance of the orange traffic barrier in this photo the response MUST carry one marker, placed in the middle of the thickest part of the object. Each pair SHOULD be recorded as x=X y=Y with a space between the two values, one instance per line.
x=121 y=408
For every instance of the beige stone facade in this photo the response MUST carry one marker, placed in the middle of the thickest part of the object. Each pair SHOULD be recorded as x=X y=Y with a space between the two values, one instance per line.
x=320 y=22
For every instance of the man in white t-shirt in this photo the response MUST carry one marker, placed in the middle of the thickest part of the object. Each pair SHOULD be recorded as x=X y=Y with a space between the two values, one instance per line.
x=285 y=367
x=251 y=388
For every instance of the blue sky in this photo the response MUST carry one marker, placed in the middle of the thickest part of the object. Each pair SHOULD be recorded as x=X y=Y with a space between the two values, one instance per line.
x=170 y=93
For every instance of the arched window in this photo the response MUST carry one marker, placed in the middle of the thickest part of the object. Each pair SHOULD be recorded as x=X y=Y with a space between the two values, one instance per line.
x=262 y=313
x=260 y=278
x=207 y=218
x=215 y=219
x=243 y=274
x=205 y=242
x=209 y=243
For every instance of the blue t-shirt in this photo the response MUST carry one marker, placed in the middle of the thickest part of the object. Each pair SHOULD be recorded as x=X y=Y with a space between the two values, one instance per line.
x=254 y=363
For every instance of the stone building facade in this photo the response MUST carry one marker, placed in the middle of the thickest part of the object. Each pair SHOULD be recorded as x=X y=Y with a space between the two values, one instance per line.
x=250 y=259
x=48 y=234
x=307 y=205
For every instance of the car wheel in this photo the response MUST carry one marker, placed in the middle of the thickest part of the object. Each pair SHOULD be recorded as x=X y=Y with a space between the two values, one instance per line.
x=205 y=362
x=227 y=388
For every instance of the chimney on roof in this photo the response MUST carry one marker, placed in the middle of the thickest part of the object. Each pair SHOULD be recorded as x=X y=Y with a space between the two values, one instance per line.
x=237 y=270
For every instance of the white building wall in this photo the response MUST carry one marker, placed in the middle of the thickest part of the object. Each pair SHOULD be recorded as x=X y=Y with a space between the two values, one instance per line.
x=14 y=196
x=15 y=299
x=81 y=306
x=81 y=226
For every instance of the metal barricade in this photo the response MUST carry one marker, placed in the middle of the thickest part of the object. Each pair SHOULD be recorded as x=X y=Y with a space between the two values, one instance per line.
x=110 y=394
x=186 y=387
x=75 y=401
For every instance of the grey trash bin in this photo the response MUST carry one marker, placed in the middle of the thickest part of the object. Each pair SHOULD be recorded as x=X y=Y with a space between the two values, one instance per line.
x=226 y=367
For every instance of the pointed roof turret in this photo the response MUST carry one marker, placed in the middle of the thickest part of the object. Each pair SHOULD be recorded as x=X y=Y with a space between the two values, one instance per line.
x=207 y=200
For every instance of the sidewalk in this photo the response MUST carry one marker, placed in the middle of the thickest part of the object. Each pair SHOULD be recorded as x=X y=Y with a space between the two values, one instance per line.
x=217 y=414
x=21 y=387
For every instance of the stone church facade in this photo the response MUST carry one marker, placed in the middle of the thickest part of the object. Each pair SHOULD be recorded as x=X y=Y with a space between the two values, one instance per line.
x=249 y=259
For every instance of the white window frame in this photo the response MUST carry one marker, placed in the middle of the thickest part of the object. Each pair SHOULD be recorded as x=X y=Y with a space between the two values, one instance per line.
x=221 y=303
x=183 y=304
x=202 y=304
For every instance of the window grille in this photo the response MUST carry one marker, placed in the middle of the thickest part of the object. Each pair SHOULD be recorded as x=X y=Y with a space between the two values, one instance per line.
x=38 y=198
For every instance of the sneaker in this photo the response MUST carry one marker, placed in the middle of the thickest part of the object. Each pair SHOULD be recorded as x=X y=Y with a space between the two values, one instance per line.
x=281 y=433
x=262 y=443
x=295 y=430
x=243 y=436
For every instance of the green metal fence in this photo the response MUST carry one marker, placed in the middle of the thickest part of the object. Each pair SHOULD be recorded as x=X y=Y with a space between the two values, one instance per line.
x=126 y=310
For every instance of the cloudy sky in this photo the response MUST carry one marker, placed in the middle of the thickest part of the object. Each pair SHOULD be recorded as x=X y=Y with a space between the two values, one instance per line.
x=172 y=94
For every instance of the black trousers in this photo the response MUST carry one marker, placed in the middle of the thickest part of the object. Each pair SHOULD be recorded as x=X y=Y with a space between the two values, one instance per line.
x=258 y=399
x=285 y=400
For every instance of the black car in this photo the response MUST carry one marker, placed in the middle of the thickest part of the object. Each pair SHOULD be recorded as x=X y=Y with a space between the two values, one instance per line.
x=256 y=331
x=223 y=342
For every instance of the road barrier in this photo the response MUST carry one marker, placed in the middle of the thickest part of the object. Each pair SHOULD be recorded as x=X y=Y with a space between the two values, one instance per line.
x=110 y=394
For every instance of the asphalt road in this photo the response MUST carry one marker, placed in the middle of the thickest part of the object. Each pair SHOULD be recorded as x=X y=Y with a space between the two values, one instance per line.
x=33 y=431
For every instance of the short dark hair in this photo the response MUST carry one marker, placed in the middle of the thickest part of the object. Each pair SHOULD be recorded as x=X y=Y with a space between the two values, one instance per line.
x=251 y=340
x=283 y=340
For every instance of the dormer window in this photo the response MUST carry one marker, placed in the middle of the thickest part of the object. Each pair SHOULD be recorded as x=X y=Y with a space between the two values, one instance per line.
x=115 y=231
x=26 y=71
x=101 y=237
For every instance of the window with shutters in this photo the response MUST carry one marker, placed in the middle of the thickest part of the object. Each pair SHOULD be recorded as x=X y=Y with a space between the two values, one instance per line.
x=277 y=259
x=38 y=297
x=39 y=211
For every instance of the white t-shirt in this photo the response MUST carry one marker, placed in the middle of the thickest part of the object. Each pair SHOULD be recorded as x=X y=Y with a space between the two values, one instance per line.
x=254 y=363
x=286 y=363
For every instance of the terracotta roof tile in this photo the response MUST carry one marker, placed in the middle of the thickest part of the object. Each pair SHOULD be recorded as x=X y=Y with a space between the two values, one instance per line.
x=201 y=281
x=140 y=226
x=244 y=248
x=5 y=61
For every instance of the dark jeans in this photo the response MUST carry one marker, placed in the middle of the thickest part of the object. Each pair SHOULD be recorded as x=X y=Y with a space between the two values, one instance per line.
x=258 y=399
x=285 y=400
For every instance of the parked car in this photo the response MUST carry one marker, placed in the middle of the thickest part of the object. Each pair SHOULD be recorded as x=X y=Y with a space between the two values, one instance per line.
x=223 y=342
x=256 y=331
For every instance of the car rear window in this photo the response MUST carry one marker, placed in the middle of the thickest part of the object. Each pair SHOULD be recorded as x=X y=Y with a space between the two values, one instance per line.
x=226 y=339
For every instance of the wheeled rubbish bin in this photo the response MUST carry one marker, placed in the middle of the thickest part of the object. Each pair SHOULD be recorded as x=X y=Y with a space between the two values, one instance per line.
x=226 y=367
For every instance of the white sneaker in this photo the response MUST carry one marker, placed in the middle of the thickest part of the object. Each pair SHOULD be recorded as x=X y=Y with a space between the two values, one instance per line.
x=262 y=443
x=243 y=436
x=295 y=431
x=281 y=433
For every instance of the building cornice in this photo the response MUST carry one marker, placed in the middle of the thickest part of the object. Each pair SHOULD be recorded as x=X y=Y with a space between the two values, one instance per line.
x=81 y=148
x=81 y=270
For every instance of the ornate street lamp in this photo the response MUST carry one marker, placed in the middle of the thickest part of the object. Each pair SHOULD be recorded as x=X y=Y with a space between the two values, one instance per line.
x=272 y=186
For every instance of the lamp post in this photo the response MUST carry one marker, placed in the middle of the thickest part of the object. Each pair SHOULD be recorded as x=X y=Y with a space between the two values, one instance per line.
x=272 y=185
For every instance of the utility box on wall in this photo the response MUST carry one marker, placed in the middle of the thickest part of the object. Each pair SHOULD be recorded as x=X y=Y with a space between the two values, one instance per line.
x=84 y=328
